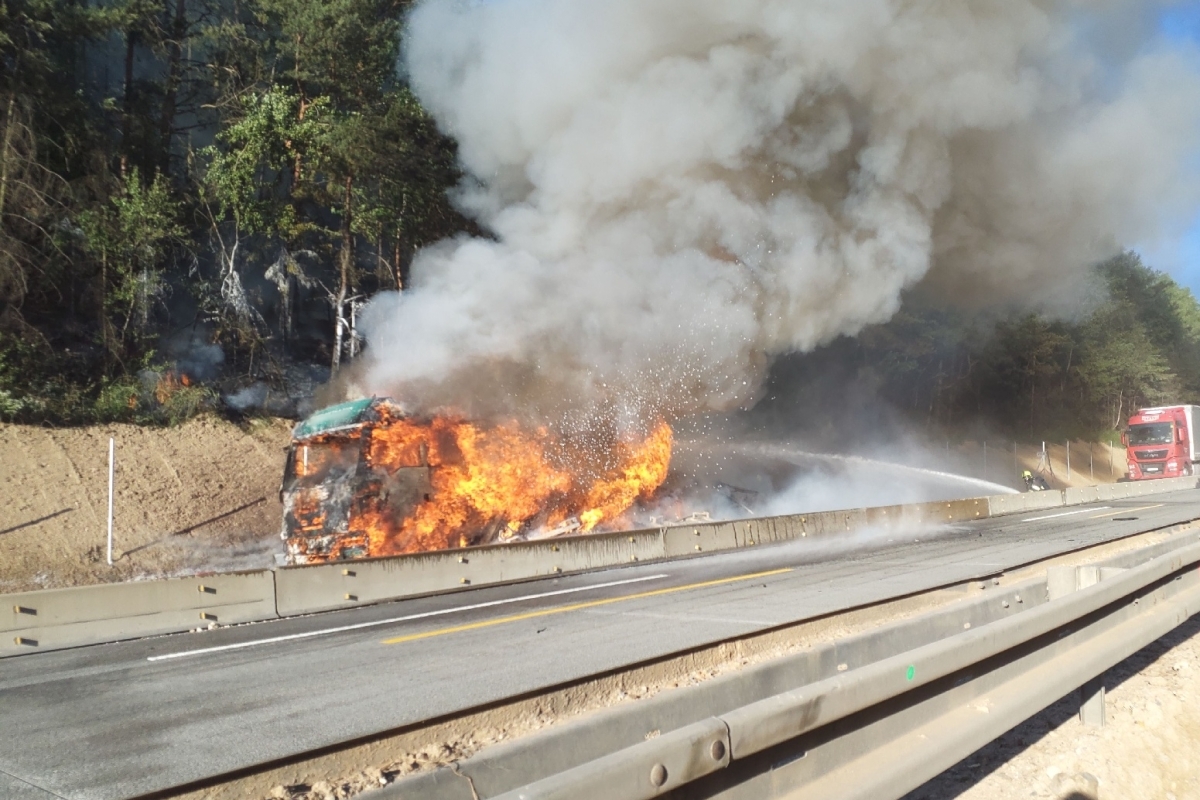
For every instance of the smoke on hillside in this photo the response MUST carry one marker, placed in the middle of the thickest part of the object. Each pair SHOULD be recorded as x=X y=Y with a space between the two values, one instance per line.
x=681 y=190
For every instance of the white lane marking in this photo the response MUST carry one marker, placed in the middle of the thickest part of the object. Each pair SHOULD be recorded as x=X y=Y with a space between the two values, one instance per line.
x=376 y=623
x=1065 y=514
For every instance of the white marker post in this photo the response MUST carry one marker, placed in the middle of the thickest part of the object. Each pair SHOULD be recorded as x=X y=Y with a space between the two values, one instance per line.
x=111 y=463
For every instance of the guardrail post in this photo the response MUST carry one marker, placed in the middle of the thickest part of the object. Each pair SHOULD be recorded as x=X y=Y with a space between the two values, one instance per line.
x=111 y=463
x=1091 y=694
x=1062 y=581
x=1091 y=703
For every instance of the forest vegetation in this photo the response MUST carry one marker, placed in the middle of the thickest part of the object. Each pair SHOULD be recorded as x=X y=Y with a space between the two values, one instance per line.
x=1134 y=343
x=198 y=195
x=183 y=175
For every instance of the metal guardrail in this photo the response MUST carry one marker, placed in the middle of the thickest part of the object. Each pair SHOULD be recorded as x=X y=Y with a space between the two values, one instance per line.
x=870 y=716
x=56 y=618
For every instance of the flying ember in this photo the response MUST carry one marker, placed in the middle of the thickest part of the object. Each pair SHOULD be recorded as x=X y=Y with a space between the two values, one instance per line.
x=365 y=480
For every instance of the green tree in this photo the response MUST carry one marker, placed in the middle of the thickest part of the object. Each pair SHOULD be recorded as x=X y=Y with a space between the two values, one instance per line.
x=334 y=153
x=129 y=236
x=38 y=45
x=1121 y=369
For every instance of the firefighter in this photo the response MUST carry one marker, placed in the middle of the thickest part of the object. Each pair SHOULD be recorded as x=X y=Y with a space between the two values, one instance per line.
x=1034 y=483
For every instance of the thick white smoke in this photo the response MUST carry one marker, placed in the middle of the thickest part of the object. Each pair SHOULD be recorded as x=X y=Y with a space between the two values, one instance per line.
x=681 y=189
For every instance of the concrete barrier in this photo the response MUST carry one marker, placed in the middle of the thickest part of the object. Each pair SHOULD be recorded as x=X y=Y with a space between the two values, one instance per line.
x=1001 y=504
x=831 y=523
x=763 y=530
x=55 y=618
x=955 y=510
x=785 y=529
x=1120 y=491
x=935 y=513
x=685 y=540
x=1078 y=495
x=323 y=587
x=1123 y=490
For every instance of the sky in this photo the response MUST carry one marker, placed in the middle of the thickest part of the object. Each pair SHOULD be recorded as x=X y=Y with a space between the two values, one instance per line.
x=1181 y=258
x=1181 y=21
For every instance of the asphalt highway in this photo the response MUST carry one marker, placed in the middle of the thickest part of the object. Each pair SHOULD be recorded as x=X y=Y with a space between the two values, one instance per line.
x=122 y=720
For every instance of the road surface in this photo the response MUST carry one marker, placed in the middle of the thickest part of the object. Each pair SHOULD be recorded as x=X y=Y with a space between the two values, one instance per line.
x=121 y=720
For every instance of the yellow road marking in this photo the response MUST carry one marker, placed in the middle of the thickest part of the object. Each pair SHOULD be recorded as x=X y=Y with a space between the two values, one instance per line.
x=1126 y=511
x=487 y=623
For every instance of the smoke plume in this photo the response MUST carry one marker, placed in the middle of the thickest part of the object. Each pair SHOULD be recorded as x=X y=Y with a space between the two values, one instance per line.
x=680 y=190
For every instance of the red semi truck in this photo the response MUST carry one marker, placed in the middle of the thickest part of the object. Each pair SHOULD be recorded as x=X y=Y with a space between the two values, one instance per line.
x=1161 y=443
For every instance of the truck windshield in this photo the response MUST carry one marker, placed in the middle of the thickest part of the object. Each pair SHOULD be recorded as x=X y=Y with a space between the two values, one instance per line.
x=1156 y=433
x=312 y=463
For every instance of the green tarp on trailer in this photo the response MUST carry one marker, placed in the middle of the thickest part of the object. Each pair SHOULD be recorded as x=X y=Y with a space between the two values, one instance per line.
x=343 y=415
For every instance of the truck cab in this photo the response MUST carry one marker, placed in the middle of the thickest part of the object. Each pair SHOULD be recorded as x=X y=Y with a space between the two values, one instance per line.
x=1159 y=442
x=334 y=493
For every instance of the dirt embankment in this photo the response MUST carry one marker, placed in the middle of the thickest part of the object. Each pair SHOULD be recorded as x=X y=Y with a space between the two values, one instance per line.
x=199 y=497
x=1083 y=464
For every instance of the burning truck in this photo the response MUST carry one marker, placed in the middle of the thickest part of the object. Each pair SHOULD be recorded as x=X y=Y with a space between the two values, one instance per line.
x=364 y=479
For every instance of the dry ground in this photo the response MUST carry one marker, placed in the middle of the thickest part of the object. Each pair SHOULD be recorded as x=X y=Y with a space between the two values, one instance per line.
x=1148 y=750
x=202 y=496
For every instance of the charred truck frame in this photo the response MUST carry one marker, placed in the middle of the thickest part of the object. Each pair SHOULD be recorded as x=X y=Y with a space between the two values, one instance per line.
x=331 y=488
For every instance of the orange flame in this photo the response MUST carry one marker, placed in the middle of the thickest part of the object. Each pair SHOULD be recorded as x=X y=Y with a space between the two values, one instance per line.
x=494 y=481
x=643 y=468
x=169 y=384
